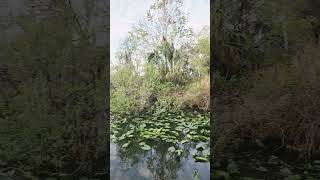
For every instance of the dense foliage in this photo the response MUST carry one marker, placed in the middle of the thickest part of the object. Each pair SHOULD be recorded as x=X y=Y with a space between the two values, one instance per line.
x=163 y=64
x=52 y=93
x=265 y=63
x=160 y=95
x=265 y=69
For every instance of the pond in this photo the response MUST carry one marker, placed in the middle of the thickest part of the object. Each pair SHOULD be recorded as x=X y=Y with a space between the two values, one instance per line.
x=162 y=146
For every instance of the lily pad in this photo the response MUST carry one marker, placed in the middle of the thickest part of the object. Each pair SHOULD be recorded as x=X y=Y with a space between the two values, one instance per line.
x=183 y=141
x=179 y=152
x=171 y=149
x=146 y=147
x=201 y=159
x=126 y=144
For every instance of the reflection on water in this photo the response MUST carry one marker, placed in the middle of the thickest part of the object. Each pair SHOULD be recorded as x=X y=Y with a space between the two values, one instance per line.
x=157 y=163
x=161 y=146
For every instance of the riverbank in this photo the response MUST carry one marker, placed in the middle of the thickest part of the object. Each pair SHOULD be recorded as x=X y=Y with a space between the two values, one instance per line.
x=258 y=163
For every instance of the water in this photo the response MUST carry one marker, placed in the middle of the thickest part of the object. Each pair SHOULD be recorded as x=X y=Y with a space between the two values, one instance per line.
x=154 y=165
x=172 y=143
x=269 y=165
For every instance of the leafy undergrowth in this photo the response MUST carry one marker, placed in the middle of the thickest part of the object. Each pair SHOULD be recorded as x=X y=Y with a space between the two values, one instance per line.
x=164 y=129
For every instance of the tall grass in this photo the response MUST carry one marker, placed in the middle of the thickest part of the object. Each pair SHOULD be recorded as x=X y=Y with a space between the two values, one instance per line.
x=283 y=103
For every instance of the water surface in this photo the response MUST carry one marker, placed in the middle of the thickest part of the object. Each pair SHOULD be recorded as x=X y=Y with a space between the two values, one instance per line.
x=154 y=165
x=169 y=155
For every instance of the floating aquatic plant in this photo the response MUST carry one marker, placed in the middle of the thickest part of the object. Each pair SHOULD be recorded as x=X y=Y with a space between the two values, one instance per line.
x=173 y=129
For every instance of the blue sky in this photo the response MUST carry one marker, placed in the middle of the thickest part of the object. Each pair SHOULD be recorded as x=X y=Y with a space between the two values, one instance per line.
x=125 y=13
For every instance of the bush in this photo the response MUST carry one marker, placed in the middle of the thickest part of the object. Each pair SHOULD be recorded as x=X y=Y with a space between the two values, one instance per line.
x=282 y=104
x=125 y=90
x=197 y=94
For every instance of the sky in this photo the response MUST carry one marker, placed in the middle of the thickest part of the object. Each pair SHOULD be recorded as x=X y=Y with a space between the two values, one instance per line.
x=125 y=13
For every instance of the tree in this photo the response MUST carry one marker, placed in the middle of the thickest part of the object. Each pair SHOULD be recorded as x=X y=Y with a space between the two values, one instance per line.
x=201 y=58
x=163 y=39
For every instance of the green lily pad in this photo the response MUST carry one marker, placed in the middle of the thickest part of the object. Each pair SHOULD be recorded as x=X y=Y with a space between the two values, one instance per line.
x=122 y=137
x=183 y=141
x=146 y=147
x=171 y=149
x=179 y=152
x=126 y=144
x=201 y=159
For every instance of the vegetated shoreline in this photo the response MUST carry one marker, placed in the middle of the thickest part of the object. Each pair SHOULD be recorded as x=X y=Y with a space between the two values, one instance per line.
x=274 y=114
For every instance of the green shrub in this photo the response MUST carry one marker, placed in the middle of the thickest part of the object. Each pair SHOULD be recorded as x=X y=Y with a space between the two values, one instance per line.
x=125 y=90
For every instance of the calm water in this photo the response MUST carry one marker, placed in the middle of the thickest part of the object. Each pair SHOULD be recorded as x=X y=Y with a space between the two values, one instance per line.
x=159 y=147
x=155 y=164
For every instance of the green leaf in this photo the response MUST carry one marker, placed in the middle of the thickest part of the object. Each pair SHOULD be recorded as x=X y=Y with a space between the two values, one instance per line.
x=179 y=152
x=171 y=149
x=122 y=137
x=126 y=144
x=146 y=147
x=183 y=141
x=201 y=159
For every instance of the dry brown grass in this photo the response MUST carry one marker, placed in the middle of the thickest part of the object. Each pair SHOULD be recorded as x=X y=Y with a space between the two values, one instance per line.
x=284 y=103
x=197 y=94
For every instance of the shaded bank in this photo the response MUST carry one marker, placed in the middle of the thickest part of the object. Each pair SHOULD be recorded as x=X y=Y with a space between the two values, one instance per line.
x=52 y=89
x=265 y=72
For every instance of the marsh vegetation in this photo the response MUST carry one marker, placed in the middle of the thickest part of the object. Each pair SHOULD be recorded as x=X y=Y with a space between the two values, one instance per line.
x=160 y=98
x=265 y=69
x=169 y=143
x=53 y=69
